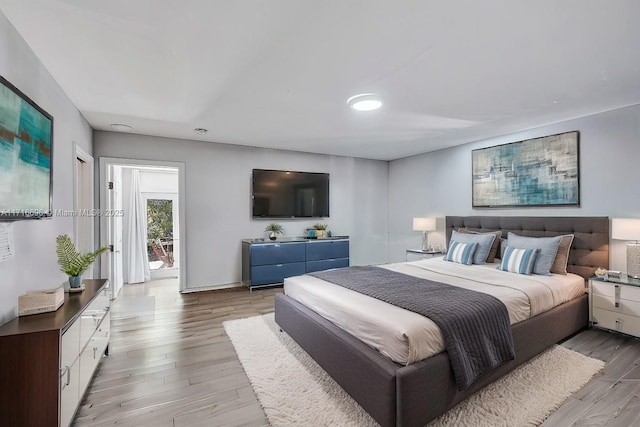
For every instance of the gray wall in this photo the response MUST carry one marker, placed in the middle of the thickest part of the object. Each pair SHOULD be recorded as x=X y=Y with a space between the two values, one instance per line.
x=439 y=183
x=218 y=204
x=35 y=265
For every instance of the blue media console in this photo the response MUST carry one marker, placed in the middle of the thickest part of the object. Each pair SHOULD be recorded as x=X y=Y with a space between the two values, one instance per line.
x=268 y=263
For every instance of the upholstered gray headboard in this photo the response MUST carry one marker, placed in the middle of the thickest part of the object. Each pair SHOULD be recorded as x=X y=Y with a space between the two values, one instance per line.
x=590 y=248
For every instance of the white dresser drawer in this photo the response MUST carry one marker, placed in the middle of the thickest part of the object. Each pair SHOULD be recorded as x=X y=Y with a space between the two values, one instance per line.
x=70 y=345
x=608 y=289
x=628 y=307
x=616 y=321
x=93 y=351
x=69 y=393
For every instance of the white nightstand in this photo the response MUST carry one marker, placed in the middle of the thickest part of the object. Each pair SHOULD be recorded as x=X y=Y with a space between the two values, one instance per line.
x=421 y=253
x=614 y=304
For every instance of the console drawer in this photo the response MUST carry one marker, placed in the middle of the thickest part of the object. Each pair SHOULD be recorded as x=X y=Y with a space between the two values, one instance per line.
x=277 y=253
x=326 y=264
x=264 y=274
x=332 y=249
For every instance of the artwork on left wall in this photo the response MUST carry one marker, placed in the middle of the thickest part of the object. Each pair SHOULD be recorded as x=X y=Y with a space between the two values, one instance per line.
x=534 y=172
x=26 y=138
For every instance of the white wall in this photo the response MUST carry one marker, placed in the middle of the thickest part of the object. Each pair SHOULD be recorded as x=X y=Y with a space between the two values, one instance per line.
x=35 y=264
x=439 y=183
x=218 y=203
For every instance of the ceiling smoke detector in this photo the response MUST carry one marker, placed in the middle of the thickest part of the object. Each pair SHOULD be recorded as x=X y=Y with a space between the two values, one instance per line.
x=365 y=102
x=121 y=127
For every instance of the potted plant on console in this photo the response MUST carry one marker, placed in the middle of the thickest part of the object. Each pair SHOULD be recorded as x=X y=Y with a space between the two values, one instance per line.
x=274 y=230
x=73 y=262
x=320 y=228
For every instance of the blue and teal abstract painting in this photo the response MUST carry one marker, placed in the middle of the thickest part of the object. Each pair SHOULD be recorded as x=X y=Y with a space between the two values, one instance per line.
x=535 y=172
x=25 y=155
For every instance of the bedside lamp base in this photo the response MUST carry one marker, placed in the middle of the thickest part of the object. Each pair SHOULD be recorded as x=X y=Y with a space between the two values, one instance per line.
x=633 y=260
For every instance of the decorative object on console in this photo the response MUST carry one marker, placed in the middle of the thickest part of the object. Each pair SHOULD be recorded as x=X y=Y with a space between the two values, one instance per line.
x=613 y=274
x=601 y=272
x=534 y=172
x=629 y=229
x=320 y=228
x=40 y=301
x=425 y=225
x=72 y=262
x=274 y=230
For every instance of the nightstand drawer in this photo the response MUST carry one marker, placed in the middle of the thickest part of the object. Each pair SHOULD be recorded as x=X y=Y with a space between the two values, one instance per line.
x=616 y=321
x=628 y=307
x=608 y=289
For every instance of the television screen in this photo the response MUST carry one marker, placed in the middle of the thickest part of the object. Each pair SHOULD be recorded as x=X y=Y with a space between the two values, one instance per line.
x=288 y=194
x=26 y=132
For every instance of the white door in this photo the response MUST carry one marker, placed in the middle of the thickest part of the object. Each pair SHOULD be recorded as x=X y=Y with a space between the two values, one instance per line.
x=114 y=228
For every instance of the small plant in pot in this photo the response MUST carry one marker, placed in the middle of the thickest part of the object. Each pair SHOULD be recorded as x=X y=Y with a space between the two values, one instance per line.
x=72 y=262
x=274 y=230
x=320 y=228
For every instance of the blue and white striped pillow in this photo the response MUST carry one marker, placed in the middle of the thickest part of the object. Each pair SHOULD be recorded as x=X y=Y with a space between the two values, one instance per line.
x=461 y=253
x=518 y=260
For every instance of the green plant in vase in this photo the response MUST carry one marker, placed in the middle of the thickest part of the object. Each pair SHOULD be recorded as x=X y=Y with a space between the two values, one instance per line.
x=72 y=262
x=274 y=230
x=320 y=229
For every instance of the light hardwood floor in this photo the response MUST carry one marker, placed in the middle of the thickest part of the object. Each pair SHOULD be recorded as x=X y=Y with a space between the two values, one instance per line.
x=171 y=364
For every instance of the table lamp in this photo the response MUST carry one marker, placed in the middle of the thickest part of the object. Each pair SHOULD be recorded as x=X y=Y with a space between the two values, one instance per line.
x=425 y=225
x=629 y=229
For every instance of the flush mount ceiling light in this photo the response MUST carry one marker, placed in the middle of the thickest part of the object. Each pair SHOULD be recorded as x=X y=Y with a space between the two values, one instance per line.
x=364 y=102
x=120 y=127
x=201 y=131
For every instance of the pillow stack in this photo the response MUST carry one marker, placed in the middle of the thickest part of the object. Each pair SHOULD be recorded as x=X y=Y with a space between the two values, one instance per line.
x=552 y=255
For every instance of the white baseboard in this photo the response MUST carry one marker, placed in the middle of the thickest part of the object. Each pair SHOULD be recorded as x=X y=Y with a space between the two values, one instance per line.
x=212 y=287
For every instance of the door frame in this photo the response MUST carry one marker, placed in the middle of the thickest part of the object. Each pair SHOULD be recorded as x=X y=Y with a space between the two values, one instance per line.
x=105 y=162
x=83 y=226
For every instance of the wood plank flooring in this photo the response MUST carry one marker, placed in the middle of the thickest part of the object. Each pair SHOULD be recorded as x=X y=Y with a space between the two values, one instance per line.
x=171 y=364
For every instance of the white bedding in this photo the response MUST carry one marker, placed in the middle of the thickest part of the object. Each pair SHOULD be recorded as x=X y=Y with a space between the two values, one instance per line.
x=407 y=337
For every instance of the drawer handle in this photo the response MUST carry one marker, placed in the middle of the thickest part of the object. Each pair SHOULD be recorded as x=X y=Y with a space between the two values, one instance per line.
x=617 y=302
x=94 y=351
x=66 y=371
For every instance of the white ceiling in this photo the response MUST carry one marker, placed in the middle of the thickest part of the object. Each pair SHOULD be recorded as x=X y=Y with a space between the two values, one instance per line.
x=278 y=73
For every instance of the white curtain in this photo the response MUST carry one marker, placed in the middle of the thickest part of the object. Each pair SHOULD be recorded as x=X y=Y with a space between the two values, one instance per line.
x=138 y=260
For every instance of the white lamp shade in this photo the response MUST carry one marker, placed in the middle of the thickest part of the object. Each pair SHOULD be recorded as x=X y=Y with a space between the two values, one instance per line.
x=625 y=228
x=424 y=224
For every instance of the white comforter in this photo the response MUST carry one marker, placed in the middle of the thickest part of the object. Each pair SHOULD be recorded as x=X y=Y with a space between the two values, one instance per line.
x=407 y=337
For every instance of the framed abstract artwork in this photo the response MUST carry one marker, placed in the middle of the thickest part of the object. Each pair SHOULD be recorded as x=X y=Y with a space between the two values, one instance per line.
x=26 y=133
x=534 y=172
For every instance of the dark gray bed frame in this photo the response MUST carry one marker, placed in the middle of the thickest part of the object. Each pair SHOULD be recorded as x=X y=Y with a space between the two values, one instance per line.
x=413 y=395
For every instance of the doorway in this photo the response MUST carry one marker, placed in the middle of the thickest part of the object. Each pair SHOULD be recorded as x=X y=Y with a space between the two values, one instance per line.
x=155 y=238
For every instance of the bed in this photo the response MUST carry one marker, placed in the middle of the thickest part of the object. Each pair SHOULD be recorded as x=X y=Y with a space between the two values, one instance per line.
x=412 y=394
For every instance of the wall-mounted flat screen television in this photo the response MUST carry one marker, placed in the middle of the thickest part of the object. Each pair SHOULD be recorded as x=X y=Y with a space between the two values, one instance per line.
x=289 y=194
x=26 y=175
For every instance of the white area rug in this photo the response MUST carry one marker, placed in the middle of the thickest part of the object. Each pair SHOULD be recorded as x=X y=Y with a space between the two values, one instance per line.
x=294 y=390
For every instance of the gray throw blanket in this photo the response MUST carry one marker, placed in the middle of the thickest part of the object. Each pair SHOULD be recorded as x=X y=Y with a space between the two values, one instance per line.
x=475 y=326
